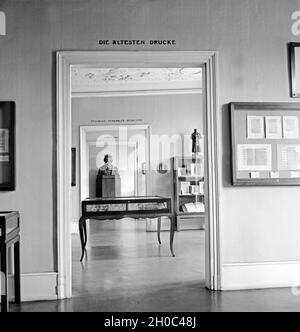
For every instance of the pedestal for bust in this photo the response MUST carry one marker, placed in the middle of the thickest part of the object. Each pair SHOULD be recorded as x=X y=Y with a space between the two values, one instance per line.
x=111 y=186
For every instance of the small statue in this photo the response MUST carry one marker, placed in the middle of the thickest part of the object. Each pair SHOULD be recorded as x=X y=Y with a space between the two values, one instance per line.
x=196 y=149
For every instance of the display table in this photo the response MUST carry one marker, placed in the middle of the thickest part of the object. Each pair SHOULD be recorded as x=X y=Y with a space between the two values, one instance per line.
x=126 y=207
x=9 y=236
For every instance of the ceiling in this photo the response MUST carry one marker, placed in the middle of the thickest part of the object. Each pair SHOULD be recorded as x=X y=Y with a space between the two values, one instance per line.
x=99 y=80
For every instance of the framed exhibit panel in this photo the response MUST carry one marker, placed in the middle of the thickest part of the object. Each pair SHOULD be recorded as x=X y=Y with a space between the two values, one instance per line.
x=73 y=175
x=294 y=54
x=265 y=144
x=7 y=146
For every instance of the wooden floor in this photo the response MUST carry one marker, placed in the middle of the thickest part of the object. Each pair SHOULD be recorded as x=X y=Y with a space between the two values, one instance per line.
x=126 y=271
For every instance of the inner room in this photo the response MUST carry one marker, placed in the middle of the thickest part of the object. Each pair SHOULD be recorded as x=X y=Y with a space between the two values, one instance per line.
x=138 y=167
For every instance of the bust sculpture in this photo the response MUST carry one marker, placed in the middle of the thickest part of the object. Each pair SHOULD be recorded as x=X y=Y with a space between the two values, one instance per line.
x=108 y=168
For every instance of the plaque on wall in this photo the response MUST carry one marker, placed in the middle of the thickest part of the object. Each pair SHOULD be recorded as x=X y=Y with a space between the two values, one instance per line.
x=7 y=146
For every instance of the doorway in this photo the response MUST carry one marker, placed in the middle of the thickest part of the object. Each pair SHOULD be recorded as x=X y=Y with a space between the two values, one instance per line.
x=130 y=153
x=204 y=60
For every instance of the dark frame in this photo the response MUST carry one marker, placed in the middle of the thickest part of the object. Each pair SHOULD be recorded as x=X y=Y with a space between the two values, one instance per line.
x=73 y=156
x=293 y=77
x=258 y=107
x=8 y=115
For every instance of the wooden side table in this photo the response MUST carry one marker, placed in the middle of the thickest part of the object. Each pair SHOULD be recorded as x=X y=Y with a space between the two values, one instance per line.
x=9 y=236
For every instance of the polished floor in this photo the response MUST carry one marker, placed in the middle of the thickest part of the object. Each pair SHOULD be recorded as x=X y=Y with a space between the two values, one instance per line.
x=126 y=271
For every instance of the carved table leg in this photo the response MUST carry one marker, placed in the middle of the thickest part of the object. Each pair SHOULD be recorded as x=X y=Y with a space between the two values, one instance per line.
x=82 y=237
x=172 y=234
x=17 y=272
x=158 y=229
x=4 y=279
x=85 y=233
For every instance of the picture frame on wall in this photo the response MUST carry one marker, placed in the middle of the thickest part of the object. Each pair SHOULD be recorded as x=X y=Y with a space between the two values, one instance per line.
x=255 y=127
x=272 y=159
x=274 y=127
x=7 y=145
x=294 y=54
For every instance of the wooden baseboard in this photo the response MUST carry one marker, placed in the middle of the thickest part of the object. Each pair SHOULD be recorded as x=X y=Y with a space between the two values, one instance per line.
x=260 y=275
x=35 y=287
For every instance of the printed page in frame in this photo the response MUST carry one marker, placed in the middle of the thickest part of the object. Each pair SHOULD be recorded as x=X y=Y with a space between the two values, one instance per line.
x=4 y=159
x=255 y=127
x=254 y=157
x=4 y=141
x=288 y=157
x=291 y=127
x=273 y=127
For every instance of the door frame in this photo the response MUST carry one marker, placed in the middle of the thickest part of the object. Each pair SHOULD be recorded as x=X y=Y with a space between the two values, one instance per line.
x=83 y=151
x=207 y=60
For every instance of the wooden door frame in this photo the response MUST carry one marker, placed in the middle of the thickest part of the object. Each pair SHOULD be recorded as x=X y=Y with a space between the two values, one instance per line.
x=207 y=60
x=83 y=151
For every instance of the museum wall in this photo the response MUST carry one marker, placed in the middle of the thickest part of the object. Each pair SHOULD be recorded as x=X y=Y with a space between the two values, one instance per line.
x=168 y=115
x=251 y=36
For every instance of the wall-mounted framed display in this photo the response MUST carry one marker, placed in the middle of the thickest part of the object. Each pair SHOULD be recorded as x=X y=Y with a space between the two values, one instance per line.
x=294 y=51
x=265 y=144
x=73 y=176
x=7 y=145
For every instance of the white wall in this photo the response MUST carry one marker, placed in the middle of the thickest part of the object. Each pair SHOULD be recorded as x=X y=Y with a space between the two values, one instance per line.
x=251 y=37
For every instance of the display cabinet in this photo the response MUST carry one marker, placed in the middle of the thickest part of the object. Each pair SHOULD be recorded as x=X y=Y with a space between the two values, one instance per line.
x=9 y=237
x=139 y=208
x=7 y=146
x=265 y=144
x=189 y=204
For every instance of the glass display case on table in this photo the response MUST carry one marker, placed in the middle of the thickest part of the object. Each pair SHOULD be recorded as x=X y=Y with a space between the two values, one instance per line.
x=154 y=207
